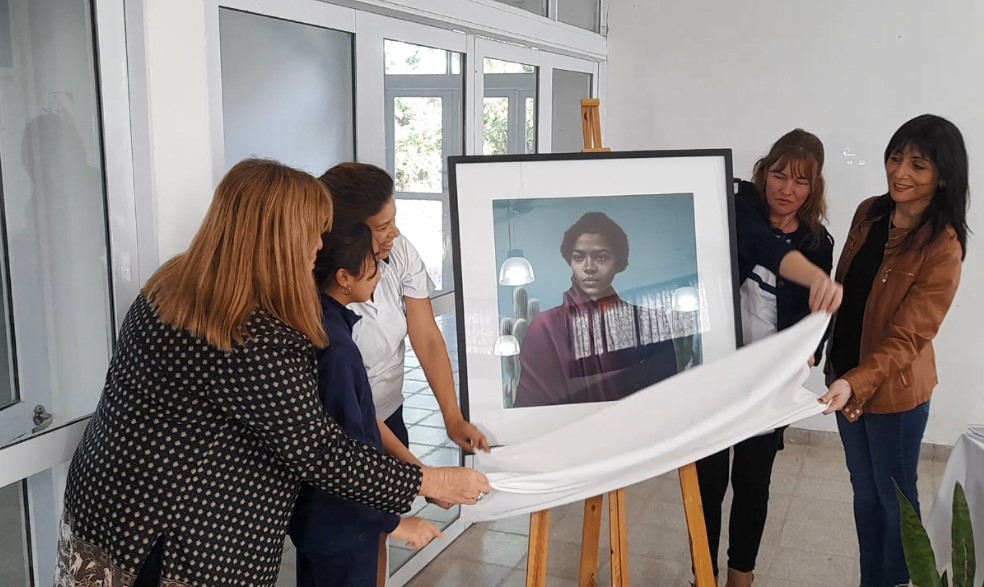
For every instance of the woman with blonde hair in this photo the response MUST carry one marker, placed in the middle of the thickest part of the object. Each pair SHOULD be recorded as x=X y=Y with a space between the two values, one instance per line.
x=210 y=420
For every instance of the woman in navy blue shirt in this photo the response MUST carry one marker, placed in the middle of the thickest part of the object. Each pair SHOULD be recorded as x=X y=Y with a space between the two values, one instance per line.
x=337 y=540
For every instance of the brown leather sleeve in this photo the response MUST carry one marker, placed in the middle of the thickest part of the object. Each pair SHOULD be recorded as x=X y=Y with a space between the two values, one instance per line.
x=914 y=325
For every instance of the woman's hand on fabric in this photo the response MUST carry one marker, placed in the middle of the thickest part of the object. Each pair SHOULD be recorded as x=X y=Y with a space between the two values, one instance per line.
x=811 y=361
x=454 y=485
x=825 y=295
x=838 y=394
x=417 y=533
x=467 y=435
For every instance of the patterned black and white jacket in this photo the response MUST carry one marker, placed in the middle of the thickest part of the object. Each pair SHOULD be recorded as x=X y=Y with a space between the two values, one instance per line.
x=205 y=451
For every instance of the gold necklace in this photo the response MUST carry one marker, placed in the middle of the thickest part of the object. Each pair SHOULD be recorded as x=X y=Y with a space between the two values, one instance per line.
x=891 y=220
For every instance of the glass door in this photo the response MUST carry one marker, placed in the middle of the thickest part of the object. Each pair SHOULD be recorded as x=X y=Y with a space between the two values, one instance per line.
x=508 y=81
x=59 y=178
x=56 y=306
x=424 y=95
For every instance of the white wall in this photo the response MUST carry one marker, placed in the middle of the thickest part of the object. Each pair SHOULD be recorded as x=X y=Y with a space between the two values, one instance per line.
x=739 y=74
x=173 y=152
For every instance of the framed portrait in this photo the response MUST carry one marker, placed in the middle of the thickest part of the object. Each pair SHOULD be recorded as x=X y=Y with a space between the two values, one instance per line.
x=582 y=278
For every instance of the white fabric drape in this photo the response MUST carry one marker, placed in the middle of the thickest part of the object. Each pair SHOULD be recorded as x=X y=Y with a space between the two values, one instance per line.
x=663 y=427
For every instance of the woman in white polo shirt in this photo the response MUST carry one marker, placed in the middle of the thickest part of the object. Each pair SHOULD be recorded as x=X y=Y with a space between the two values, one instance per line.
x=401 y=306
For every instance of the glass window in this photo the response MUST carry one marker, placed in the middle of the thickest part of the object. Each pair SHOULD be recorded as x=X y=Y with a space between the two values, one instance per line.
x=424 y=89
x=56 y=323
x=585 y=14
x=14 y=553
x=495 y=117
x=509 y=111
x=534 y=6
x=287 y=91
x=418 y=144
x=569 y=88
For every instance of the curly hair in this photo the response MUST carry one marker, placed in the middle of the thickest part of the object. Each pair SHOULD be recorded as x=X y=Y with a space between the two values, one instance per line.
x=598 y=223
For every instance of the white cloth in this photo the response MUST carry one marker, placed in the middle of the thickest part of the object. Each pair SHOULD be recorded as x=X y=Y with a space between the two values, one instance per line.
x=658 y=429
x=382 y=331
x=964 y=465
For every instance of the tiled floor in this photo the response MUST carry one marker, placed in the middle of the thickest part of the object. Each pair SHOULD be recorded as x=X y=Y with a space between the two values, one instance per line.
x=809 y=538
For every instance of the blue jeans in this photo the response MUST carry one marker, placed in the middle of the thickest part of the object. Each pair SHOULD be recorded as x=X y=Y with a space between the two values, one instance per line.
x=879 y=448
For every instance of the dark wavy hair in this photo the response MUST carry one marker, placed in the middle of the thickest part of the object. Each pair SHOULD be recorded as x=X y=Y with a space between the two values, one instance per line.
x=349 y=248
x=598 y=223
x=940 y=141
x=358 y=191
x=804 y=152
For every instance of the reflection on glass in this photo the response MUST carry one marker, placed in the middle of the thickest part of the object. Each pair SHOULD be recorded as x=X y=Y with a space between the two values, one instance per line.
x=615 y=305
x=424 y=90
x=56 y=278
x=421 y=222
x=8 y=388
x=287 y=91
x=585 y=14
x=14 y=561
x=419 y=145
x=534 y=6
x=569 y=88
x=509 y=108
x=493 y=66
x=495 y=120
x=405 y=59
x=530 y=125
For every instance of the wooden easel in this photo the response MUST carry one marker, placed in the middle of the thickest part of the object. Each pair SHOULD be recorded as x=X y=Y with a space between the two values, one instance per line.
x=536 y=570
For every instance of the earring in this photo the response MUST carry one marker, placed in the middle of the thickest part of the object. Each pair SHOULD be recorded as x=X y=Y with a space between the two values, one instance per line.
x=347 y=291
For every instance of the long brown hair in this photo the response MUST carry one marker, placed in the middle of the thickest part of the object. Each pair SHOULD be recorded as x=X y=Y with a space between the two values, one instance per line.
x=804 y=152
x=251 y=253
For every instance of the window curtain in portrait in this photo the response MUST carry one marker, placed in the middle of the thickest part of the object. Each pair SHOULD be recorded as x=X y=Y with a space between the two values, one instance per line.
x=658 y=429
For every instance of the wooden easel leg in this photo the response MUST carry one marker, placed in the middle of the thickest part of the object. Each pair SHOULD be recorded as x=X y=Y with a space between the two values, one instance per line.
x=700 y=550
x=536 y=567
x=590 y=541
x=619 y=538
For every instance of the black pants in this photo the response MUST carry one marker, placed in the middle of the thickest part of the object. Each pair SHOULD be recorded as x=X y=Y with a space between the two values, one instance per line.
x=355 y=565
x=396 y=424
x=751 y=474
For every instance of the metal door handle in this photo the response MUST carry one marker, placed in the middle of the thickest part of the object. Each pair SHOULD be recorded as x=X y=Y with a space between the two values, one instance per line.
x=41 y=417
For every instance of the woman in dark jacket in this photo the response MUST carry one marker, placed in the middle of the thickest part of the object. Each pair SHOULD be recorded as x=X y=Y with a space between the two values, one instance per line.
x=900 y=267
x=210 y=420
x=780 y=217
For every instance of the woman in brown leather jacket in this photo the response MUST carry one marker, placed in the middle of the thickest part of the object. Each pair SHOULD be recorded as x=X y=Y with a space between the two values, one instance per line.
x=900 y=268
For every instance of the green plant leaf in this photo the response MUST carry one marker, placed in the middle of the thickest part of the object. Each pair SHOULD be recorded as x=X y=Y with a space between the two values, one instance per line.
x=915 y=542
x=962 y=537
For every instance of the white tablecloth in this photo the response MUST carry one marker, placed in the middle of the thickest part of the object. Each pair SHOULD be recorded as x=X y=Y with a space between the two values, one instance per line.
x=663 y=427
x=966 y=465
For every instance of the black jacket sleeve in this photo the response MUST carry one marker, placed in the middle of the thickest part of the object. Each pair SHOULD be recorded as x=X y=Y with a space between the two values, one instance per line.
x=822 y=255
